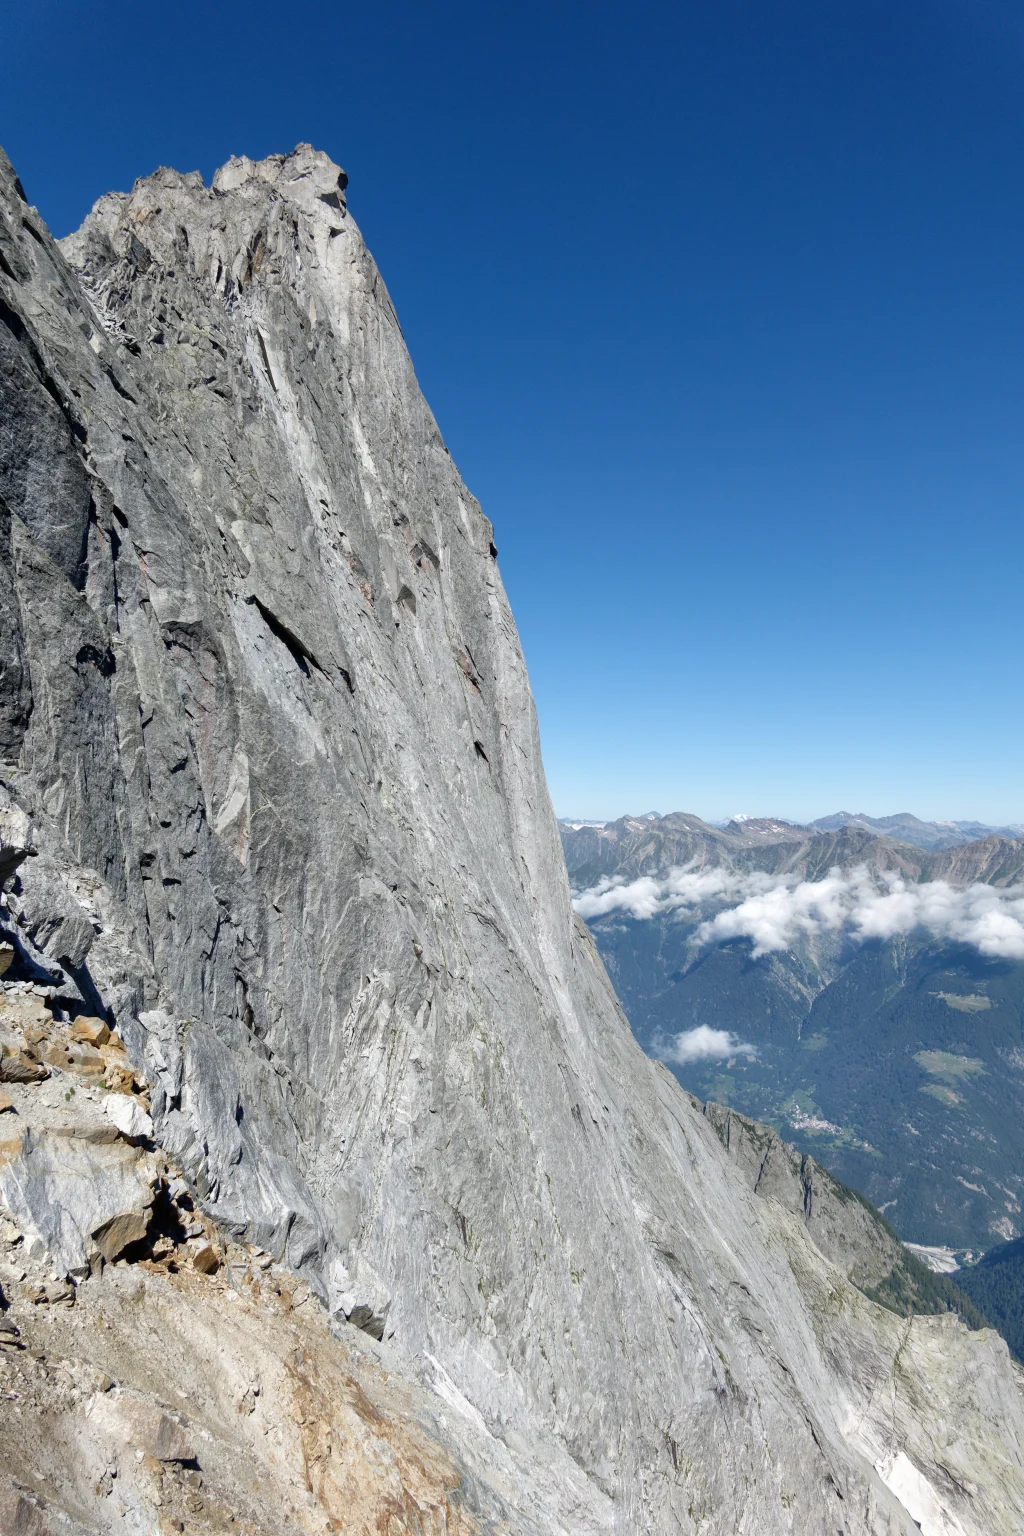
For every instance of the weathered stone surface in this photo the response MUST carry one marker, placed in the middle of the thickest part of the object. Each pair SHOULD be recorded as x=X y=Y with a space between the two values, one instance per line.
x=129 y=1116
x=205 y=1260
x=24 y=1013
x=845 y=1231
x=277 y=757
x=72 y=1197
x=17 y=1066
x=89 y=1031
x=188 y=1402
x=15 y=829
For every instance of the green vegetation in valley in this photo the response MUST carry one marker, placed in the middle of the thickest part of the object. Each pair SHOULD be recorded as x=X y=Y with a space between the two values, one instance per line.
x=860 y=1060
x=914 y=1288
x=945 y=1065
x=972 y=1002
x=996 y=1286
x=897 y=1064
x=944 y=1095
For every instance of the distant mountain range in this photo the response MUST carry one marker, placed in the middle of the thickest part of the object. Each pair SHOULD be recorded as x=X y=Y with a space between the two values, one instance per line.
x=906 y=828
x=641 y=845
x=895 y=1057
x=903 y=827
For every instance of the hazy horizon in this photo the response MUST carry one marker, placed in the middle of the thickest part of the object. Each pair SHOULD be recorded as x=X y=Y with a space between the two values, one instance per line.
x=800 y=821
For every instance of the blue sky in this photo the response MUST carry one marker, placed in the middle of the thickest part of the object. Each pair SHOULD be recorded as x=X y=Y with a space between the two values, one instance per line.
x=720 y=310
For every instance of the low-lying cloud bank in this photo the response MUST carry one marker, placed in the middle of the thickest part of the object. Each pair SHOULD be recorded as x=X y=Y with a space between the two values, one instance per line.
x=701 y=1044
x=776 y=911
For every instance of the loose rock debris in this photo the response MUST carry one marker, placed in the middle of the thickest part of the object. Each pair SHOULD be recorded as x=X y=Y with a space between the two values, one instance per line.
x=173 y=1380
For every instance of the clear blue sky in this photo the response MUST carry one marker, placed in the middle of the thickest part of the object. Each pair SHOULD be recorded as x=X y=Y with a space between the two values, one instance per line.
x=720 y=309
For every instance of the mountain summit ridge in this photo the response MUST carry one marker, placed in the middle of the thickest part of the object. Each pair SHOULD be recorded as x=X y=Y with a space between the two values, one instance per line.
x=273 y=794
x=903 y=827
x=907 y=828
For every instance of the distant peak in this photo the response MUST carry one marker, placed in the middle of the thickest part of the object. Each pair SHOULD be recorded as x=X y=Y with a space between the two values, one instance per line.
x=306 y=177
x=306 y=168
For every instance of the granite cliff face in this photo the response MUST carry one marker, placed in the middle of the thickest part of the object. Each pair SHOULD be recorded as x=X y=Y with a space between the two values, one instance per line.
x=273 y=807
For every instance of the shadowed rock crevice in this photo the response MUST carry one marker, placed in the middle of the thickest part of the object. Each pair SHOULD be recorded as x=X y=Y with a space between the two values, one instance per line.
x=300 y=652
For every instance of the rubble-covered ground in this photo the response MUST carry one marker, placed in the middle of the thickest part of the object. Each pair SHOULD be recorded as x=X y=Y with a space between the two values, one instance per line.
x=156 y=1377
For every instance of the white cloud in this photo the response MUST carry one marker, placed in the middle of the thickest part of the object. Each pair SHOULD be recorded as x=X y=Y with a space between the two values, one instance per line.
x=648 y=895
x=775 y=918
x=642 y=898
x=702 y=1044
x=775 y=911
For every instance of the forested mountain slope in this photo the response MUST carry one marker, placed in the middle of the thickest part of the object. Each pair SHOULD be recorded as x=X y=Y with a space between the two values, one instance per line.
x=891 y=1046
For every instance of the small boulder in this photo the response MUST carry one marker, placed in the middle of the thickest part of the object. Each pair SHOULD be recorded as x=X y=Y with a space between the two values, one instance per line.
x=118 y=1079
x=6 y=957
x=117 y=1235
x=85 y=1058
x=56 y=1291
x=17 y=1066
x=129 y=1117
x=143 y=1427
x=206 y=1260
x=74 y=1200
x=89 y=1031
x=6 y=1102
x=53 y=1054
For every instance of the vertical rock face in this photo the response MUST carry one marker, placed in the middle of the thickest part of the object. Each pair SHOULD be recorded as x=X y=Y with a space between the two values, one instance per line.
x=263 y=706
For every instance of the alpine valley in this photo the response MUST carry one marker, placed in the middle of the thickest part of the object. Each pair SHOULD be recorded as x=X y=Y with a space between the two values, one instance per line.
x=888 y=1042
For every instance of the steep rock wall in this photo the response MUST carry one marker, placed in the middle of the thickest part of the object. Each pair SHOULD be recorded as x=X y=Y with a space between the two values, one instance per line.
x=263 y=703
